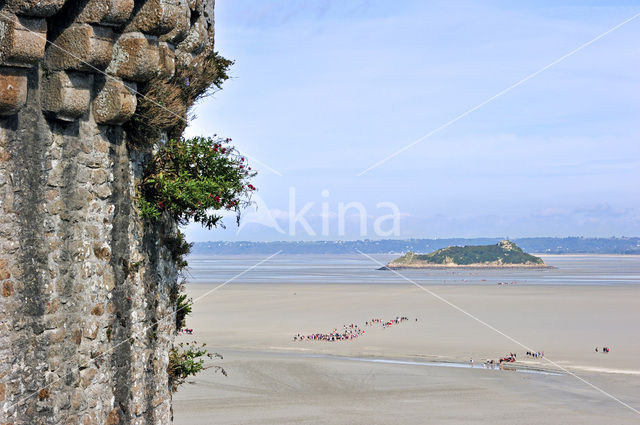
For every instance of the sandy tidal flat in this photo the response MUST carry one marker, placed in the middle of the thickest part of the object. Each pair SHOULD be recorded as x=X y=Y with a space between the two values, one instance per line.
x=275 y=380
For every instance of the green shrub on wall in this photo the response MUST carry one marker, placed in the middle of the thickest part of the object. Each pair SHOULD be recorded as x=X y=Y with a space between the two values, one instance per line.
x=186 y=360
x=184 y=307
x=194 y=179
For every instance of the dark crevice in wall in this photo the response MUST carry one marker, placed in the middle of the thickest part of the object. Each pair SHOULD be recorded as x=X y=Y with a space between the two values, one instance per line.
x=64 y=18
x=151 y=280
x=28 y=153
x=194 y=17
x=137 y=5
x=71 y=253
x=120 y=263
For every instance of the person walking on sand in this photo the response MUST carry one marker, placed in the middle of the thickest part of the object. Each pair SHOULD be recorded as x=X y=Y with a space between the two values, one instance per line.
x=471 y=361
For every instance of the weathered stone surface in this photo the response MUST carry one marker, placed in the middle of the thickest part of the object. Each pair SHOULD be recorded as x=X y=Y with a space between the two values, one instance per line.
x=78 y=399
x=86 y=376
x=13 y=90
x=180 y=30
x=7 y=288
x=81 y=47
x=114 y=417
x=4 y=270
x=106 y=12
x=55 y=335
x=136 y=57
x=22 y=40
x=81 y=277
x=77 y=336
x=40 y=8
x=91 y=330
x=98 y=309
x=66 y=95
x=115 y=103
x=167 y=63
x=158 y=17
x=194 y=43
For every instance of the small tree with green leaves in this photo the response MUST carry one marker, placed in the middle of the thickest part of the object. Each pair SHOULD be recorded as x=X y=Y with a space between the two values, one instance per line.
x=186 y=360
x=194 y=179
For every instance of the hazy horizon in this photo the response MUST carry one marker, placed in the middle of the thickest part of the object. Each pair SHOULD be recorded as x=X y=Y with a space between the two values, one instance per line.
x=408 y=239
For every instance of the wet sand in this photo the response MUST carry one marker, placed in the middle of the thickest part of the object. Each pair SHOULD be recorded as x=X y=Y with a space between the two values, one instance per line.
x=274 y=380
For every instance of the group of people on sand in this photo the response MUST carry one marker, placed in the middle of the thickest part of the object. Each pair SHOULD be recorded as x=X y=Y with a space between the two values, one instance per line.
x=387 y=323
x=506 y=359
x=490 y=363
x=510 y=358
x=188 y=331
x=604 y=349
x=349 y=332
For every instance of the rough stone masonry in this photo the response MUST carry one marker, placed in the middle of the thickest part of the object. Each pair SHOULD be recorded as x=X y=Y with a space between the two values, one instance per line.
x=81 y=277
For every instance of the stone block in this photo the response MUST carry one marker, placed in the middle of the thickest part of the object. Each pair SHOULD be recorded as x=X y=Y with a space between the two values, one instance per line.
x=136 y=57
x=4 y=270
x=77 y=336
x=102 y=251
x=115 y=102
x=81 y=47
x=78 y=399
x=91 y=330
x=22 y=40
x=86 y=376
x=180 y=31
x=106 y=12
x=115 y=417
x=55 y=336
x=13 y=90
x=39 y=8
x=108 y=281
x=7 y=288
x=196 y=38
x=66 y=96
x=167 y=65
x=158 y=17
x=98 y=309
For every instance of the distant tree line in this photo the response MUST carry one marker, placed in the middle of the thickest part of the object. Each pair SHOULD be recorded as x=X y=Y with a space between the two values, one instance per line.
x=542 y=245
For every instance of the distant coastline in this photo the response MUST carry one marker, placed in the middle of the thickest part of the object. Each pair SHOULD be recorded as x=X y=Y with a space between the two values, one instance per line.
x=541 y=246
x=466 y=266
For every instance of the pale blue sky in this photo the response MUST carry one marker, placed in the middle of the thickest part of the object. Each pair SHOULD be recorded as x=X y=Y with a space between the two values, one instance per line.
x=321 y=90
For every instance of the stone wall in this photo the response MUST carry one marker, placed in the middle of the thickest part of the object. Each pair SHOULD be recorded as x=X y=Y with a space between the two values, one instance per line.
x=82 y=279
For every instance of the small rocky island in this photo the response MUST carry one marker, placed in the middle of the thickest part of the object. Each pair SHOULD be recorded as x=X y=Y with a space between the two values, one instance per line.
x=505 y=254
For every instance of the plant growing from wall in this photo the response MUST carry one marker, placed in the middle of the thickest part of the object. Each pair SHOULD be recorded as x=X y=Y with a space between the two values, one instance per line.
x=179 y=249
x=184 y=306
x=194 y=179
x=186 y=360
x=165 y=106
